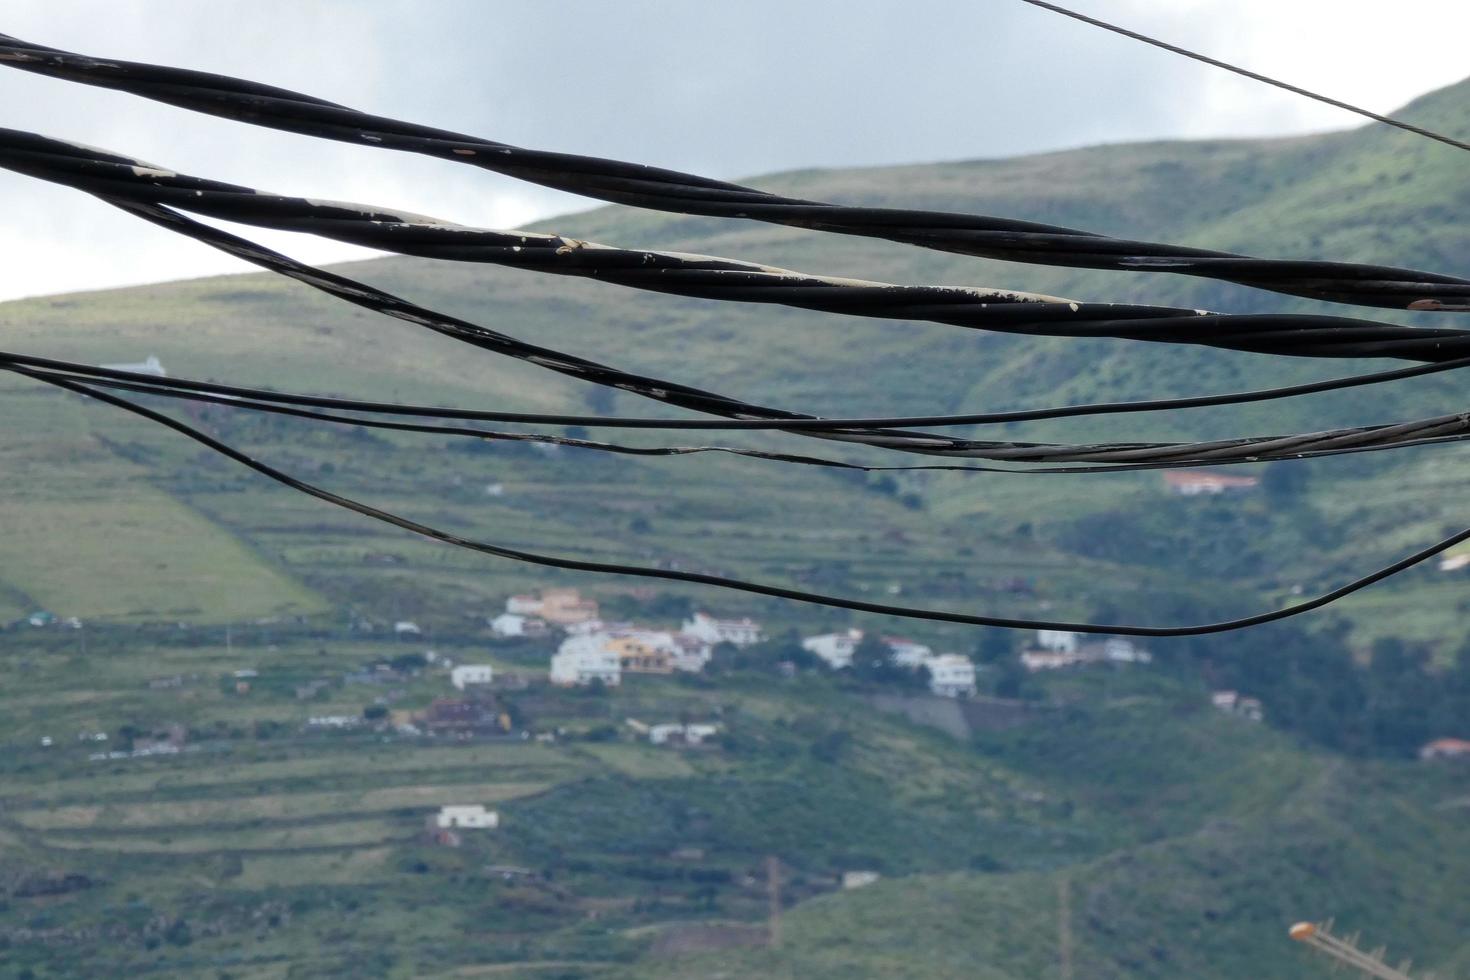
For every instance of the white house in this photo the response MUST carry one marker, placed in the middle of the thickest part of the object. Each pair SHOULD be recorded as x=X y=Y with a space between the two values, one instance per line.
x=405 y=627
x=514 y=624
x=696 y=734
x=1059 y=641
x=1120 y=651
x=660 y=734
x=691 y=654
x=835 y=648
x=688 y=734
x=472 y=815
x=1232 y=703
x=907 y=653
x=858 y=879
x=951 y=676
x=151 y=366
x=523 y=605
x=585 y=658
x=741 y=632
x=469 y=675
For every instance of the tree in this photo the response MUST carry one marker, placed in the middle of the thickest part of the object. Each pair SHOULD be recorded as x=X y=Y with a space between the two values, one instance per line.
x=1284 y=482
x=994 y=645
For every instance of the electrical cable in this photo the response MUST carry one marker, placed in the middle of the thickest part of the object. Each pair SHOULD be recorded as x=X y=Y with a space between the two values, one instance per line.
x=757 y=588
x=1121 y=458
x=1254 y=76
x=655 y=188
x=124 y=179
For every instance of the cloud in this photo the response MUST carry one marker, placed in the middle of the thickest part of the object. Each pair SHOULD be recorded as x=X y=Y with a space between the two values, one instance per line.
x=729 y=91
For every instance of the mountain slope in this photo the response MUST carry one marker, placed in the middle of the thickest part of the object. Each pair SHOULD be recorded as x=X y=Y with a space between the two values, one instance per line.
x=1364 y=195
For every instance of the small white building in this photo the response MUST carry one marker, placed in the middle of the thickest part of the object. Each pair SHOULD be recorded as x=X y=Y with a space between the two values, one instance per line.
x=1121 y=651
x=469 y=816
x=694 y=734
x=405 y=627
x=858 y=879
x=661 y=734
x=691 y=654
x=1034 y=660
x=523 y=605
x=470 y=675
x=585 y=658
x=1059 y=641
x=951 y=676
x=509 y=624
x=1232 y=703
x=334 y=721
x=907 y=653
x=834 y=648
x=740 y=632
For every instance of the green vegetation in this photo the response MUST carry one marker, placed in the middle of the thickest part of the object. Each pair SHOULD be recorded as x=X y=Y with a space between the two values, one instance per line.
x=1189 y=839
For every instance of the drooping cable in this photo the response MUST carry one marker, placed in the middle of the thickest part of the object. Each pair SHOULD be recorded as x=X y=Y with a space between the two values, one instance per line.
x=1253 y=76
x=654 y=188
x=757 y=588
x=1115 y=457
x=124 y=179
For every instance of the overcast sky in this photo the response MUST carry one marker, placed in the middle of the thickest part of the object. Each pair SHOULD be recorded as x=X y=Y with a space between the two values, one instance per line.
x=727 y=90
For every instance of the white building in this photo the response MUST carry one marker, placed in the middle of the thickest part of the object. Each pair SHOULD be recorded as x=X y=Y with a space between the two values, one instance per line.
x=585 y=658
x=151 y=366
x=405 y=627
x=1232 y=703
x=858 y=879
x=741 y=632
x=688 y=734
x=660 y=734
x=951 y=676
x=523 y=605
x=907 y=653
x=508 y=625
x=1120 y=651
x=472 y=815
x=469 y=675
x=834 y=648
x=696 y=734
x=1059 y=641
x=691 y=654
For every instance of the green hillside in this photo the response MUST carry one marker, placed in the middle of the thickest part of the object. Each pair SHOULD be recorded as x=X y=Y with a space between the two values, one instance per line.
x=1362 y=195
x=1187 y=840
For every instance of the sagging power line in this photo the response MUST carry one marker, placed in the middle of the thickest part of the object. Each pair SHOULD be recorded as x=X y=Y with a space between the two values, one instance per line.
x=653 y=188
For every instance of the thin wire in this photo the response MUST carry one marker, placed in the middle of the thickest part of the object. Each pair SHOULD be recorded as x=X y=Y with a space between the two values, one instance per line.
x=642 y=186
x=231 y=393
x=907 y=612
x=1155 y=456
x=1254 y=76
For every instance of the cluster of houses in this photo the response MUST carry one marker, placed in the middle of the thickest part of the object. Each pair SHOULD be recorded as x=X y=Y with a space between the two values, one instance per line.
x=535 y=615
x=595 y=651
x=1055 y=649
x=950 y=674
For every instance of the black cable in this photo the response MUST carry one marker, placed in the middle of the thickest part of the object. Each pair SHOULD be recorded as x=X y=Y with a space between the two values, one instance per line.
x=642 y=186
x=123 y=179
x=1254 y=76
x=757 y=588
x=1119 y=458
